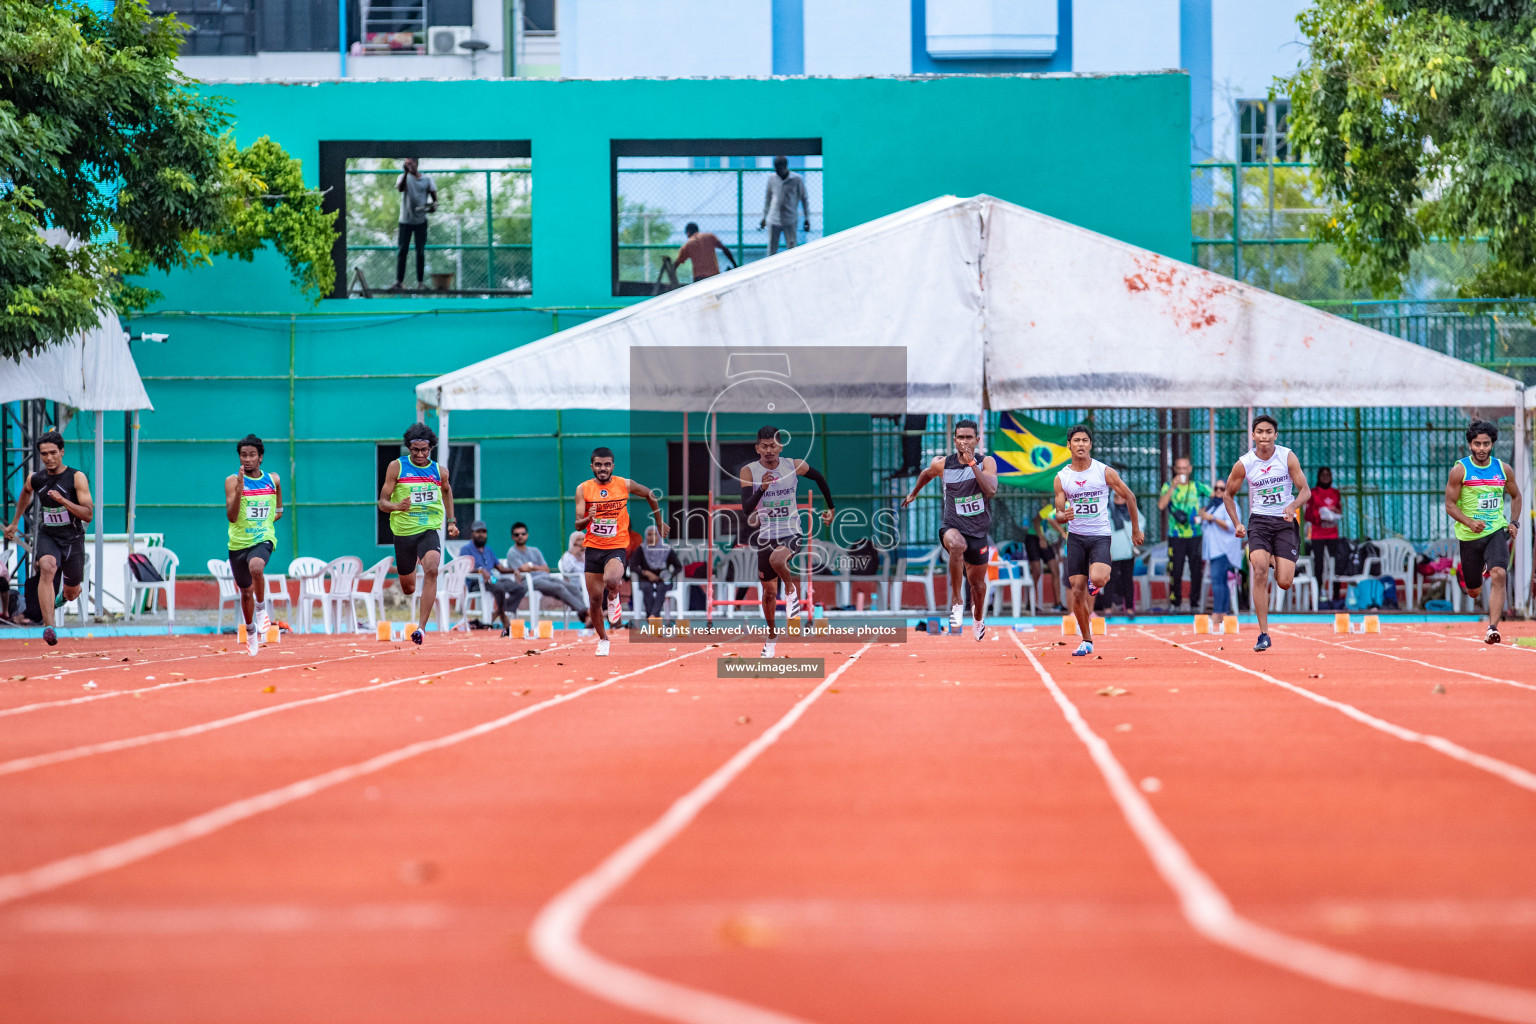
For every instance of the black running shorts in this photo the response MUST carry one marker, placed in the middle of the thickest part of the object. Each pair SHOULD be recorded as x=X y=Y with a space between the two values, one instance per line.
x=1083 y=551
x=1275 y=535
x=598 y=559
x=412 y=548
x=766 y=548
x=240 y=563
x=1488 y=551
x=69 y=554
x=975 y=547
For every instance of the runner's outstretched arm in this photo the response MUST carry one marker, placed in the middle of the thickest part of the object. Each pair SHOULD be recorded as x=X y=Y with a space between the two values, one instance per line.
x=650 y=499
x=932 y=470
x=1234 y=481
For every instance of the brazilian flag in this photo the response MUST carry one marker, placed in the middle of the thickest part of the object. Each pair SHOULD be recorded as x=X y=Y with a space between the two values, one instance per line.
x=1028 y=452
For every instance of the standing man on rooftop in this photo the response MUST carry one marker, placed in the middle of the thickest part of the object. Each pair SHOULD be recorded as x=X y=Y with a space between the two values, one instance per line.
x=700 y=248
x=418 y=197
x=786 y=192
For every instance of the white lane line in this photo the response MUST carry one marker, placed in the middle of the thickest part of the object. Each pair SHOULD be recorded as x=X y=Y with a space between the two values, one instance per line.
x=555 y=936
x=88 y=698
x=1414 y=661
x=22 y=764
x=56 y=874
x=1210 y=913
x=1510 y=773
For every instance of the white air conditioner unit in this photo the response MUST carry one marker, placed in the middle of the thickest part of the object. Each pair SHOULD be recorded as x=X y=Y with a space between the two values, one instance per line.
x=444 y=40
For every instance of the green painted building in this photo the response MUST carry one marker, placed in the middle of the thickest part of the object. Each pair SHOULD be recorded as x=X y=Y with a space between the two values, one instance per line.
x=326 y=387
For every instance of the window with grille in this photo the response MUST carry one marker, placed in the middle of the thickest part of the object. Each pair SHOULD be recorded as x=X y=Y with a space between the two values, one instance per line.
x=213 y=28
x=1261 y=131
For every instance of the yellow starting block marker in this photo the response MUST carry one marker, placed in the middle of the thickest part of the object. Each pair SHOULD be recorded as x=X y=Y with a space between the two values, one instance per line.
x=1341 y=622
x=821 y=626
x=1202 y=624
x=519 y=629
x=1096 y=625
x=383 y=632
x=274 y=635
x=546 y=629
x=1230 y=624
x=240 y=633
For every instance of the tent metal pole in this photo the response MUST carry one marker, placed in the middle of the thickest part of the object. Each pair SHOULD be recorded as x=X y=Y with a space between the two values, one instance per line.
x=99 y=517
x=1210 y=422
x=133 y=475
x=443 y=466
x=686 y=491
x=1520 y=593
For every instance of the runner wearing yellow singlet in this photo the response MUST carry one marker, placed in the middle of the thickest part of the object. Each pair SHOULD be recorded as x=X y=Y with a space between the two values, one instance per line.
x=602 y=510
x=419 y=500
x=253 y=503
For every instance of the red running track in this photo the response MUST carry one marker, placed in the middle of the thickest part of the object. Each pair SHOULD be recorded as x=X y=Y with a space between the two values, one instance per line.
x=946 y=831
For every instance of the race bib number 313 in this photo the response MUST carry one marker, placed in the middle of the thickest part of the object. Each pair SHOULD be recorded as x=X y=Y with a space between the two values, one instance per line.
x=424 y=495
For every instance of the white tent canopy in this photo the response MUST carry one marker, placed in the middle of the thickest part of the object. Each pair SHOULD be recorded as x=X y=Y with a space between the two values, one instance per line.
x=1000 y=307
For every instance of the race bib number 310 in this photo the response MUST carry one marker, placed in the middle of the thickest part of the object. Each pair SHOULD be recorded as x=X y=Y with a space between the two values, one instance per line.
x=1490 y=502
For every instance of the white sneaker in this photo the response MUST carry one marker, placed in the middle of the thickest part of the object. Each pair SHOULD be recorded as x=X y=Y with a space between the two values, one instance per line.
x=602 y=648
x=263 y=623
x=954 y=618
x=768 y=649
x=615 y=611
x=980 y=629
x=791 y=603
x=252 y=640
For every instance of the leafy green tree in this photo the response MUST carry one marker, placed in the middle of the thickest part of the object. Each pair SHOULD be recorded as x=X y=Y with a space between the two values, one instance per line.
x=1420 y=116
x=102 y=137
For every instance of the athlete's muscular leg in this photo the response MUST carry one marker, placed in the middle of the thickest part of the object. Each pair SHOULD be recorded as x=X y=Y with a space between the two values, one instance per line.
x=977 y=577
x=1497 y=580
x=257 y=595
x=47 y=566
x=1285 y=572
x=1259 y=587
x=779 y=560
x=596 y=617
x=1081 y=605
x=429 y=564
x=613 y=578
x=954 y=547
x=770 y=590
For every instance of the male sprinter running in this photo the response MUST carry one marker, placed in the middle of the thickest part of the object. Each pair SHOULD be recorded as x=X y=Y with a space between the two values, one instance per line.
x=1082 y=502
x=602 y=510
x=1277 y=491
x=253 y=502
x=969 y=485
x=418 y=499
x=67 y=507
x=1475 y=499
x=768 y=489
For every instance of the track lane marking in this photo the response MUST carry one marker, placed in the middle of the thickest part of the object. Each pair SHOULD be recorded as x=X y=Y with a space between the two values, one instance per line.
x=62 y=872
x=104 y=662
x=1212 y=915
x=22 y=764
x=555 y=935
x=1414 y=661
x=1513 y=774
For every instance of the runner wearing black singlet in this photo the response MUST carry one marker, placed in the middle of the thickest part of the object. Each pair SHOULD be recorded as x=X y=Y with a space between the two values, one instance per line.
x=65 y=496
x=969 y=485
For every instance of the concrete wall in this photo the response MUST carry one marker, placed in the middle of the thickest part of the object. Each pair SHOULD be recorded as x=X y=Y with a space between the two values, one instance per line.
x=887 y=144
x=620 y=38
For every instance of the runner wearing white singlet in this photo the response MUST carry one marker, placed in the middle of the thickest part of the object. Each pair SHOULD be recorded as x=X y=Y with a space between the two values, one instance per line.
x=1277 y=491
x=1083 y=489
x=768 y=490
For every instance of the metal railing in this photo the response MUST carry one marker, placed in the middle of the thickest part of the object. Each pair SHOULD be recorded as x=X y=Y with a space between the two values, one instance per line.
x=487 y=252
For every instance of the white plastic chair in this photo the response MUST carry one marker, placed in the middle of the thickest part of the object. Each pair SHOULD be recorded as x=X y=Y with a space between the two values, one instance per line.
x=921 y=570
x=310 y=573
x=688 y=554
x=372 y=599
x=165 y=561
x=741 y=563
x=831 y=562
x=82 y=601
x=1157 y=569
x=1445 y=547
x=1015 y=576
x=1208 y=598
x=340 y=601
x=224 y=576
x=1303 y=593
x=1331 y=577
x=536 y=602
x=277 y=593
x=451 y=587
x=1397 y=561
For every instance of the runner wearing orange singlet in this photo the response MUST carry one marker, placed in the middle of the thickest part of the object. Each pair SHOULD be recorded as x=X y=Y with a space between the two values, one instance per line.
x=602 y=510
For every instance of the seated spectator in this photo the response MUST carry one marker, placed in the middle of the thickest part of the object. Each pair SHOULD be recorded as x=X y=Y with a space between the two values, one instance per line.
x=652 y=559
x=700 y=248
x=504 y=589
x=1222 y=550
x=573 y=562
x=529 y=563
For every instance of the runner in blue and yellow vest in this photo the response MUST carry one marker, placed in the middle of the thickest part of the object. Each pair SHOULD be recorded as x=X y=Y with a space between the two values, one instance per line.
x=419 y=500
x=253 y=503
x=1475 y=499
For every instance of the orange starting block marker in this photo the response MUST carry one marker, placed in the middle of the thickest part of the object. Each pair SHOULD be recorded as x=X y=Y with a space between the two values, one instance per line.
x=1229 y=625
x=546 y=629
x=240 y=633
x=1341 y=622
x=519 y=629
x=1096 y=625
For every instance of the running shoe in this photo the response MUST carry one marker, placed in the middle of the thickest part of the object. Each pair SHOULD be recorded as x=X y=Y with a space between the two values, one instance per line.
x=1492 y=636
x=1094 y=591
x=1262 y=643
x=768 y=649
x=506 y=631
x=263 y=623
x=416 y=637
x=602 y=648
x=50 y=637
x=1083 y=649
x=954 y=617
x=791 y=602
x=252 y=641
x=615 y=612
x=981 y=630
